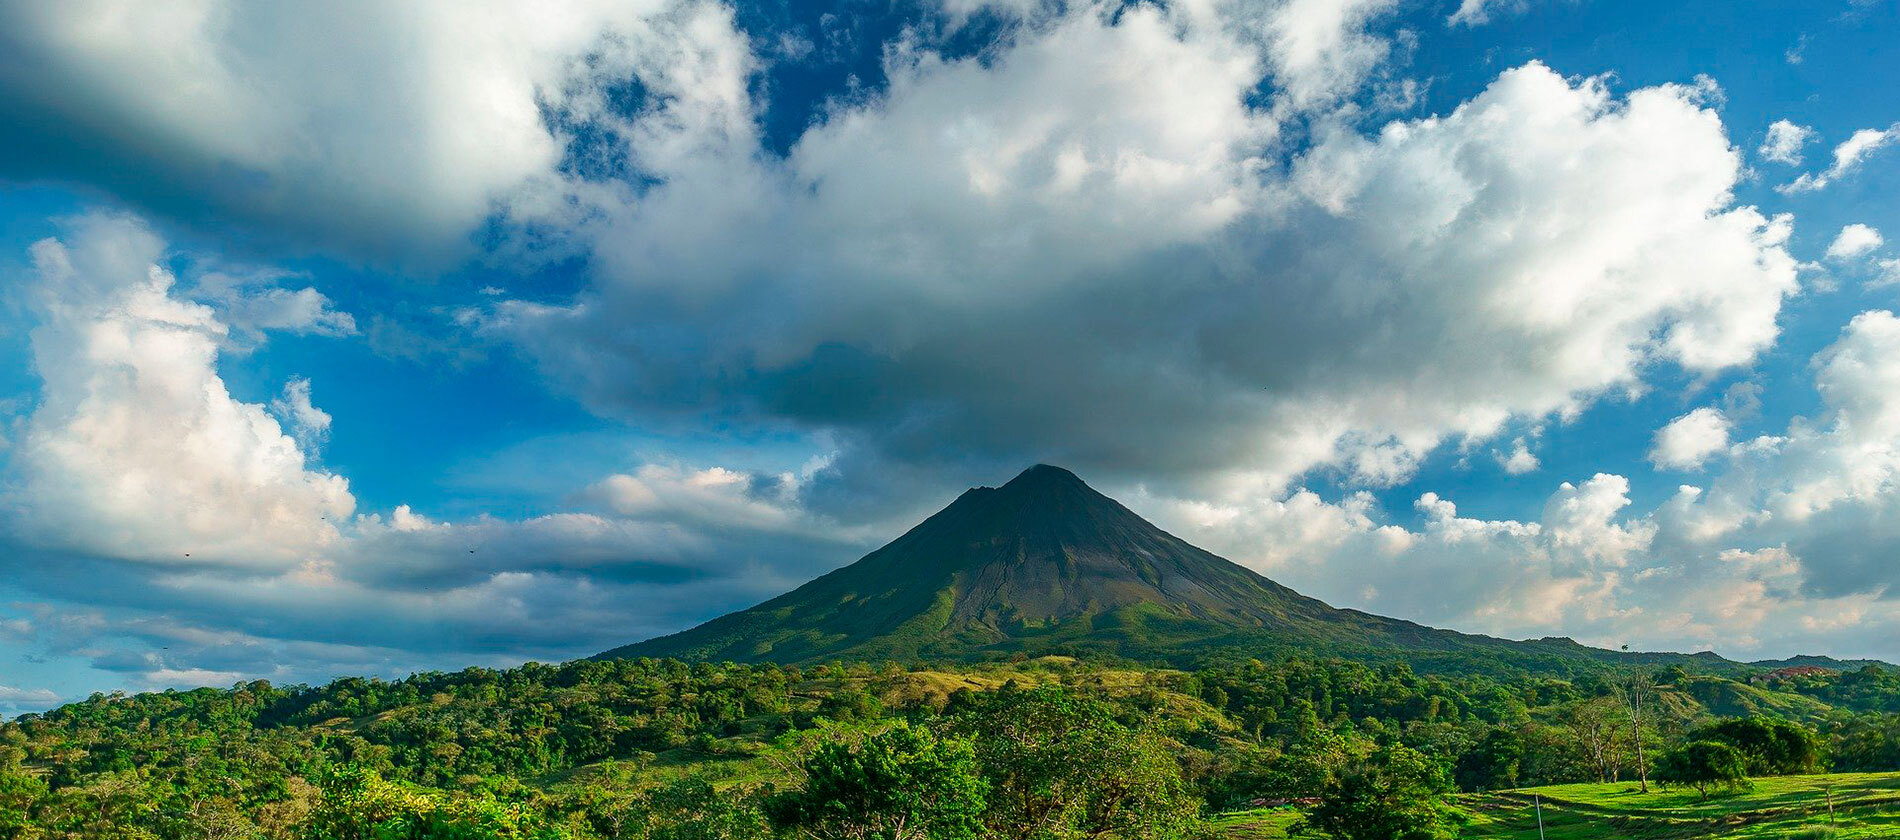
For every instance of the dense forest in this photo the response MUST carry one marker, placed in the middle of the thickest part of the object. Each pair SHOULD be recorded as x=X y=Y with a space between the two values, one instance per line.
x=1044 y=748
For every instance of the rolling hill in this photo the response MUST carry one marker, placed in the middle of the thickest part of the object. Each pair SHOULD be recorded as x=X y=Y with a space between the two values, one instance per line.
x=1045 y=564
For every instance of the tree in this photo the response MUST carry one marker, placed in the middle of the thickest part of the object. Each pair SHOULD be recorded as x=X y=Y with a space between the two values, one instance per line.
x=1492 y=763
x=1061 y=766
x=19 y=793
x=1316 y=760
x=1769 y=747
x=358 y=804
x=1396 y=793
x=1703 y=765
x=1636 y=689
x=685 y=809
x=1595 y=723
x=1867 y=743
x=901 y=784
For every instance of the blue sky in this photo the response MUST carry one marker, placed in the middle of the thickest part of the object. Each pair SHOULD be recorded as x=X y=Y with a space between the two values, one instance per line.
x=337 y=343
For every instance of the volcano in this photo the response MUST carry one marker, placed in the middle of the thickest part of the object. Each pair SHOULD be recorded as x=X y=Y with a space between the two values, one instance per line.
x=1047 y=565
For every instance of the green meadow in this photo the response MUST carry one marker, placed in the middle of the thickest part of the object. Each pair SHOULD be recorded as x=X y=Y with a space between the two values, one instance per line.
x=1864 y=805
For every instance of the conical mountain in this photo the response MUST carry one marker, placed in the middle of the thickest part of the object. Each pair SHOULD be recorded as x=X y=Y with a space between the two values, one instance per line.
x=1047 y=565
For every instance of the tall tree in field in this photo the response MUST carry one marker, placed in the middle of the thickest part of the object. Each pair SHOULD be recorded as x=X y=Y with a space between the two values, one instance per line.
x=1636 y=690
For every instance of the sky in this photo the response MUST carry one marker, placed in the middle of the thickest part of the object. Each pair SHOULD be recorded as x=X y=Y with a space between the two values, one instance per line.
x=361 y=338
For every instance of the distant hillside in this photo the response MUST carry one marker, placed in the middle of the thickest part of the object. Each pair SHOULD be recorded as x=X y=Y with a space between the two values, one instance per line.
x=1047 y=565
x=1827 y=662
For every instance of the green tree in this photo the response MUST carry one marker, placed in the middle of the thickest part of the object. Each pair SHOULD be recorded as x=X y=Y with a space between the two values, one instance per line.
x=1061 y=766
x=1769 y=747
x=1396 y=793
x=358 y=804
x=1492 y=763
x=901 y=784
x=20 y=792
x=1703 y=765
x=684 y=809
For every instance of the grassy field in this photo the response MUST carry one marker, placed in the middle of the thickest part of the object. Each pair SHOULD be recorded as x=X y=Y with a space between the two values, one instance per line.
x=1866 y=805
x=1264 y=824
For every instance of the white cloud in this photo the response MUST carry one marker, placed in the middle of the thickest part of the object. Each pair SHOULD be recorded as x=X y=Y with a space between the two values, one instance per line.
x=1519 y=460
x=1321 y=50
x=1854 y=240
x=1848 y=156
x=309 y=424
x=251 y=303
x=956 y=229
x=137 y=450
x=353 y=125
x=1788 y=548
x=19 y=700
x=1479 y=12
x=1519 y=579
x=980 y=255
x=1690 y=439
x=1784 y=141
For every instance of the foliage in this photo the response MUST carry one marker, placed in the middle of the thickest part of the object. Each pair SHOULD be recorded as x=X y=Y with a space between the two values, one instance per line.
x=1062 y=766
x=683 y=809
x=1769 y=747
x=663 y=750
x=1492 y=763
x=359 y=805
x=901 y=784
x=1703 y=765
x=1393 y=794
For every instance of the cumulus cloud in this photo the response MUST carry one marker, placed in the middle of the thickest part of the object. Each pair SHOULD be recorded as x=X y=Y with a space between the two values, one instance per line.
x=137 y=450
x=1784 y=142
x=1519 y=460
x=1321 y=49
x=1095 y=226
x=1854 y=240
x=1690 y=439
x=1848 y=156
x=1095 y=263
x=341 y=125
x=1507 y=577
